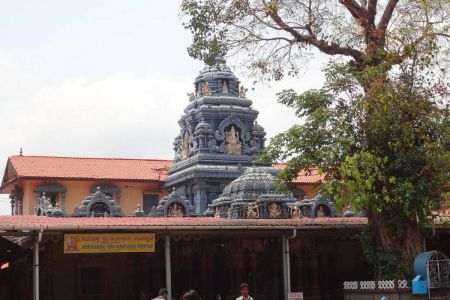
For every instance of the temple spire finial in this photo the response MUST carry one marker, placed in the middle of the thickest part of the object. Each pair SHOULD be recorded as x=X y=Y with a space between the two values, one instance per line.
x=219 y=59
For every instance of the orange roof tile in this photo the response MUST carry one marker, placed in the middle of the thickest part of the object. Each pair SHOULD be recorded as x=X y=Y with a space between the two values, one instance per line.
x=302 y=177
x=83 y=168
x=90 y=168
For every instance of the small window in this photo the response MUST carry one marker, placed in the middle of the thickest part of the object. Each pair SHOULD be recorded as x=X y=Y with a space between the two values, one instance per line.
x=91 y=282
x=150 y=200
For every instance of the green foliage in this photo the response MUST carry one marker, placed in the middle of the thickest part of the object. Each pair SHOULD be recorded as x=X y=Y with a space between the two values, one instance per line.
x=385 y=261
x=379 y=129
x=207 y=38
x=385 y=153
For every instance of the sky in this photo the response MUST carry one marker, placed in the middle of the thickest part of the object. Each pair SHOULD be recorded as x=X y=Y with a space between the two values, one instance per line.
x=105 y=78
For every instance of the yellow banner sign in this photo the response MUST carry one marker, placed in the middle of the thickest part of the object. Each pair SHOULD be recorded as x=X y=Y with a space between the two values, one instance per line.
x=109 y=242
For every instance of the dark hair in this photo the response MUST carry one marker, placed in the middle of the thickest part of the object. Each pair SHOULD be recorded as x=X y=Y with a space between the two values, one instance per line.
x=244 y=285
x=191 y=295
x=162 y=291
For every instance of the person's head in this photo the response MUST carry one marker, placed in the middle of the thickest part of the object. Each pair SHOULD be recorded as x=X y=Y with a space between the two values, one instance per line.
x=191 y=295
x=244 y=290
x=163 y=293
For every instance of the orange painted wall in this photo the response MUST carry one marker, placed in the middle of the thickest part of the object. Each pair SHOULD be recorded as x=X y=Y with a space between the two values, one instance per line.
x=131 y=193
x=309 y=189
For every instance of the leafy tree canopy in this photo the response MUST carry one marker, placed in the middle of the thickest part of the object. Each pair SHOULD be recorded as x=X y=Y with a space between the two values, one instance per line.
x=379 y=129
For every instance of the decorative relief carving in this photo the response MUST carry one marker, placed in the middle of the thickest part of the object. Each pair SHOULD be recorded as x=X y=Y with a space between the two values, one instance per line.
x=206 y=91
x=214 y=140
x=217 y=212
x=185 y=145
x=274 y=210
x=252 y=211
x=224 y=87
x=233 y=144
x=175 y=210
x=296 y=213
x=191 y=96
x=242 y=91
x=44 y=205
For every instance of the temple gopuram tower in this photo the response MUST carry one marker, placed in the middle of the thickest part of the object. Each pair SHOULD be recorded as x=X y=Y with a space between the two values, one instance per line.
x=219 y=137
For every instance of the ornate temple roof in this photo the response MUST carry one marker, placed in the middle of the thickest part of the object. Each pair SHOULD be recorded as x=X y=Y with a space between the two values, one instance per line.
x=219 y=70
x=255 y=180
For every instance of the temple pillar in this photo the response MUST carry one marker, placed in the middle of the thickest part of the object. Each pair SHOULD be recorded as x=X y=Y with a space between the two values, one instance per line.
x=314 y=268
x=37 y=196
x=63 y=201
x=200 y=198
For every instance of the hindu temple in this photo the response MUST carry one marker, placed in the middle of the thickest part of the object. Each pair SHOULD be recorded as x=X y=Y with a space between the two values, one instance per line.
x=219 y=137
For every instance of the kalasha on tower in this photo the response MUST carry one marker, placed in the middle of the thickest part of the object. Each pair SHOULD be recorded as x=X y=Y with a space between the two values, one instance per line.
x=219 y=137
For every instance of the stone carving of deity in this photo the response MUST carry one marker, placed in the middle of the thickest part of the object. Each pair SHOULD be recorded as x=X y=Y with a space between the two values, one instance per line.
x=242 y=92
x=296 y=213
x=224 y=87
x=217 y=213
x=233 y=145
x=185 y=145
x=230 y=213
x=252 y=211
x=206 y=90
x=175 y=210
x=321 y=212
x=274 y=210
x=45 y=204
x=191 y=96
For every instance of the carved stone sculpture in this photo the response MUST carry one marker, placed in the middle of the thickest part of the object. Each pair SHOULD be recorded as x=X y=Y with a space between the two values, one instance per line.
x=252 y=211
x=191 y=96
x=296 y=213
x=242 y=92
x=206 y=90
x=224 y=87
x=217 y=212
x=274 y=210
x=175 y=210
x=320 y=212
x=185 y=145
x=233 y=145
x=230 y=213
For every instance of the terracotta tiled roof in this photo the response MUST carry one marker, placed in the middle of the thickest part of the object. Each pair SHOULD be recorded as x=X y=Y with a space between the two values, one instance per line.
x=302 y=176
x=81 y=168
x=90 y=168
x=29 y=222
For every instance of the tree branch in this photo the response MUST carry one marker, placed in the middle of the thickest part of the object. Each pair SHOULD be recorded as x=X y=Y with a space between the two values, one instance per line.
x=387 y=15
x=354 y=8
x=371 y=11
x=322 y=45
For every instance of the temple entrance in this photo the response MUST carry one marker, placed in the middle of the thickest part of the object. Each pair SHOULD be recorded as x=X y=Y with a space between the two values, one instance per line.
x=214 y=264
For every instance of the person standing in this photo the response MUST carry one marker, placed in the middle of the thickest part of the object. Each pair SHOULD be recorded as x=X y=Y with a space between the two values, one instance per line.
x=162 y=294
x=191 y=295
x=244 y=293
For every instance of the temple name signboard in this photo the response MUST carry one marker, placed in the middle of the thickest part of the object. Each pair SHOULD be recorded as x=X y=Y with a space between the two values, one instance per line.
x=109 y=242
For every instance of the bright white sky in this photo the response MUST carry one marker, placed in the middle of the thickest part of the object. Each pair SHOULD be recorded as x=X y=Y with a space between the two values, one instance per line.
x=104 y=78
